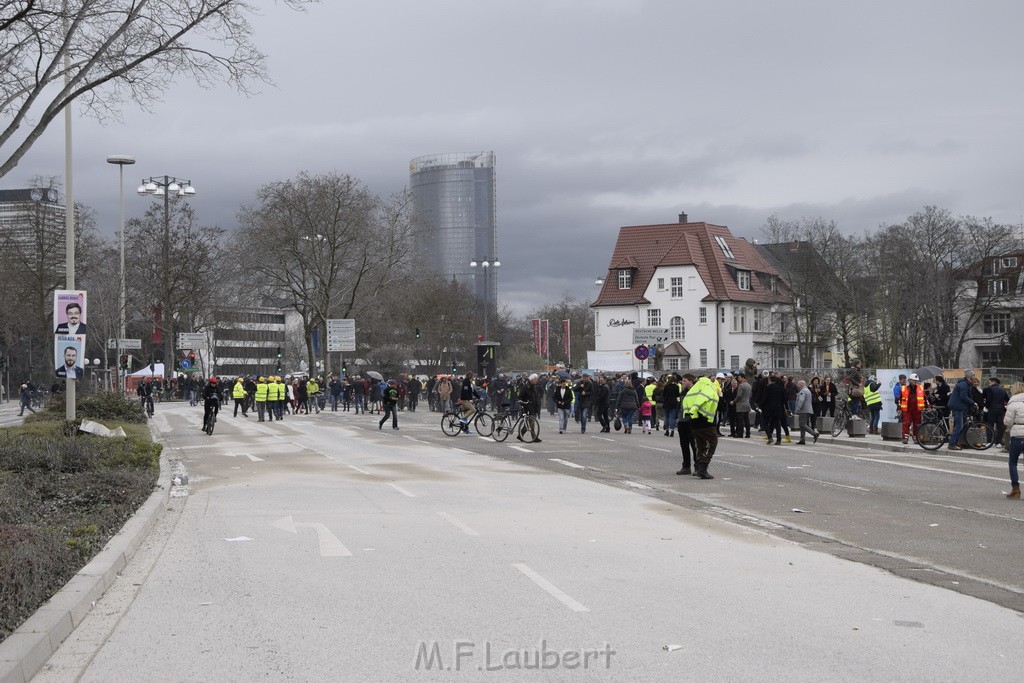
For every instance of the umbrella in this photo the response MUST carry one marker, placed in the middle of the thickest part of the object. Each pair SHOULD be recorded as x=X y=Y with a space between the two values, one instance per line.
x=374 y=374
x=563 y=374
x=928 y=372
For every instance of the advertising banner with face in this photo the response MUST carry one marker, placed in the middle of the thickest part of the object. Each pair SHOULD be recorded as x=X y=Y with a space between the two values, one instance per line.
x=68 y=355
x=69 y=312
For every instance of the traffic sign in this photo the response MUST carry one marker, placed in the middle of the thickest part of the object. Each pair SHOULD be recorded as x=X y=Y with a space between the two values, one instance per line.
x=129 y=344
x=185 y=365
x=650 y=335
x=641 y=352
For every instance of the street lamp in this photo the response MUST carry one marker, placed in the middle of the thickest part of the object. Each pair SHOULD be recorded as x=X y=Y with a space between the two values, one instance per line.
x=488 y=267
x=165 y=186
x=121 y=160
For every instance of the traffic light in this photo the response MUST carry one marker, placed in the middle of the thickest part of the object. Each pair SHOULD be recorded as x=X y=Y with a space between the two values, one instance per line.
x=344 y=366
x=124 y=361
x=279 y=359
x=417 y=333
x=455 y=368
x=192 y=358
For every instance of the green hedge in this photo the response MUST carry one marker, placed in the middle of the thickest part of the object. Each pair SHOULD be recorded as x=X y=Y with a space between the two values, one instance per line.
x=62 y=497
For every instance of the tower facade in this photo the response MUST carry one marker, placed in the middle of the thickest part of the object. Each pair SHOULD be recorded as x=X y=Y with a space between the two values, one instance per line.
x=454 y=194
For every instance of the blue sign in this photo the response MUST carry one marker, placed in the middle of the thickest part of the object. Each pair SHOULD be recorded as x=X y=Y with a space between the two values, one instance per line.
x=641 y=352
x=186 y=364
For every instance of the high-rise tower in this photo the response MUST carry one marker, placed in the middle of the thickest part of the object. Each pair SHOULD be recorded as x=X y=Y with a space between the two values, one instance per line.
x=455 y=195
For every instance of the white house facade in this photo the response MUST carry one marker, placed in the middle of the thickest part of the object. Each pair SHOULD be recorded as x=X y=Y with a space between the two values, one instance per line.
x=719 y=299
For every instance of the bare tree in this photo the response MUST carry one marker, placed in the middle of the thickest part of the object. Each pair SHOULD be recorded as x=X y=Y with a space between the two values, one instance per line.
x=335 y=247
x=103 y=53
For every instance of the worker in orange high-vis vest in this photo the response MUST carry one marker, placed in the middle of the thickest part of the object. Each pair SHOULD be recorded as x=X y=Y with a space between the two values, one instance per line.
x=912 y=403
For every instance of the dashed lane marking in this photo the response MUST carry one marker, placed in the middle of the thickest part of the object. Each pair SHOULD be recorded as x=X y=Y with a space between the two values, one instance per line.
x=832 y=483
x=458 y=524
x=568 y=464
x=551 y=589
x=401 y=490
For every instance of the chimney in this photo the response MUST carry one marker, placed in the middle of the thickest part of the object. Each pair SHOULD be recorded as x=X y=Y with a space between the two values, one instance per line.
x=683 y=218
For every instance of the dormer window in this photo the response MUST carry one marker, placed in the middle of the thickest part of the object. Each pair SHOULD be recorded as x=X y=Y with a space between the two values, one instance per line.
x=724 y=247
x=1010 y=262
x=743 y=279
x=625 y=278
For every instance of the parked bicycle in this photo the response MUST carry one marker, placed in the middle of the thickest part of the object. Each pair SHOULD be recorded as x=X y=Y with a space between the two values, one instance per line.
x=844 y=415
x=453 y=424
x=935 y=429
x=506 y=423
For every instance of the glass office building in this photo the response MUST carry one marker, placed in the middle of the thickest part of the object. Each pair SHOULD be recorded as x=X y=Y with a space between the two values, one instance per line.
x=454 y=194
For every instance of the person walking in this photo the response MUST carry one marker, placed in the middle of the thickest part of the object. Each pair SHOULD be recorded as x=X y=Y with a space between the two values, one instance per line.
x=444 y=393
x=389 y=399
x=260 y=396
x=912 y=403
x=412 y=391
x=995 y=407
x=773 y=409
x=563 y=398
x=803 y=407
x=530 y=396
x=26 y=400
x=961 y=401
x=646 y=413
x=627 y=405
x=602 y=401
x=585 y=405
x=701 y=405
x=1014 y=421
x=670 y=401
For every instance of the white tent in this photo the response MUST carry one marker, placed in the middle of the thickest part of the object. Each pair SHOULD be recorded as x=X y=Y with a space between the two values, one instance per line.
x=158 y=371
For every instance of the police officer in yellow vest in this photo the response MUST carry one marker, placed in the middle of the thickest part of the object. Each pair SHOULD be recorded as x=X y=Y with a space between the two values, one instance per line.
x=262 y=390
x=873 y=401
x=238 y=393
x=280 y=396
x=700 y=404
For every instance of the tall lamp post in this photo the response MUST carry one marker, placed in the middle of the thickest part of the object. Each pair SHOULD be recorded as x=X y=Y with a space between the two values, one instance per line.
x=165 y=186
x=487 y=266
x=121 y=160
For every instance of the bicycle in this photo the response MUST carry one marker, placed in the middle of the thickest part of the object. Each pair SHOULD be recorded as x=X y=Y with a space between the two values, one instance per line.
x=934 y=432
x=505 y=423
x=211 y=420
x=843 y=415
x=452 y=423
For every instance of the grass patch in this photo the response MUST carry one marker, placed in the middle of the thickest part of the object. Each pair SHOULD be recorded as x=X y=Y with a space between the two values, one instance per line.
x=63 y=495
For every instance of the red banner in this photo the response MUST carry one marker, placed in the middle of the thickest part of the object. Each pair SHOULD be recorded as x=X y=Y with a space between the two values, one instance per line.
x=565 y=338
x=544 y=338
x=536 y=336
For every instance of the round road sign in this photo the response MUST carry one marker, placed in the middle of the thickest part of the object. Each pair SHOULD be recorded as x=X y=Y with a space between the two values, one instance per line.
x=641 y=352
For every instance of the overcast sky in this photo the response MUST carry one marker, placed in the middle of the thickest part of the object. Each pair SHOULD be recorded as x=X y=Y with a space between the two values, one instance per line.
x=602 y=113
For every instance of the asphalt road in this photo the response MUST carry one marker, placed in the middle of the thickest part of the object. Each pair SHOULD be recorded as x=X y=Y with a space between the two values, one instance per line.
x=322 y=548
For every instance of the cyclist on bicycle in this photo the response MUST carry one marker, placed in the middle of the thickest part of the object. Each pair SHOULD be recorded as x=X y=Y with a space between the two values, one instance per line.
x=211 y=400
x=467 y=400
x=145 y=393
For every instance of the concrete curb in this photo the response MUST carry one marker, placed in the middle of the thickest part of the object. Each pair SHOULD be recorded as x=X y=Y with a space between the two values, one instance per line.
x=994 y=453
x=34 y=642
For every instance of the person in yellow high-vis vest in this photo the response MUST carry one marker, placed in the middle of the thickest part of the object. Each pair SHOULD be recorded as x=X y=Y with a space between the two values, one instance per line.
x=262 y=390
x=873 y=401
x=701 y=404
x=238 y=394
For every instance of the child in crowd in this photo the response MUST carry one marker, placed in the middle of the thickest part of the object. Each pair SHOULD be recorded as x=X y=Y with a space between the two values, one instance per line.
x=646 y=410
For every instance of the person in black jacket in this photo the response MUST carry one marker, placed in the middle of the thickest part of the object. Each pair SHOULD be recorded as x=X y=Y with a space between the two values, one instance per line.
x=211 y=400
x=602 y=401
x=585 y=403
x=530 y=397
x=773 y=408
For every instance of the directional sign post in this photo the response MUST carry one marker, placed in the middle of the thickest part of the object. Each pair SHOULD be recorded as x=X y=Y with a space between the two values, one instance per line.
x=125 y=344
x=191 y=340
x=650 y=336
x=341 y=334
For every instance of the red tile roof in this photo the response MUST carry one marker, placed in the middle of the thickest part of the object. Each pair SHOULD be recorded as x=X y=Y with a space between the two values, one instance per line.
x=645 y=248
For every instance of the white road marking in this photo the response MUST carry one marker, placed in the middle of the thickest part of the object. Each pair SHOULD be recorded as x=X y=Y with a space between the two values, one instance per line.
x=635 y=484
x=253 y=457
x=401 y=490
x=568 y=464
x=922 y=467
x=734 y=464
x=406 y=436
x=328 y=543
x=602 y=438
x=360 y=471
x=521 y=448
x=551 y=589
x=832 y=483
x=654 y=448
x=458 y=524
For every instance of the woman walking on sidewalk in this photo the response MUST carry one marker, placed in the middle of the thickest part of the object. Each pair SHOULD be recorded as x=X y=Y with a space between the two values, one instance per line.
x=1014 y=421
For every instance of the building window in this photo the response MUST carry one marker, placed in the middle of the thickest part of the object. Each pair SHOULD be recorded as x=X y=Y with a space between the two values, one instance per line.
x=673 y=363
x=989 y=357
x=996 y=287
x=723 y=315
x=783 y=324
x=995 y=323
x=990 y=267
x=677 y=288
x=724 y=247
x=1010 y=262
x=703 y=358
x=654 y=317
x=676 y=328
x=734 y=362
x=760 y=324
x=692 y=282
x=625 y=279
x=773 y=283
x=739 y=318
x=661 y=284
x=702 y=312
x=721 y=358
x=743 y=279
